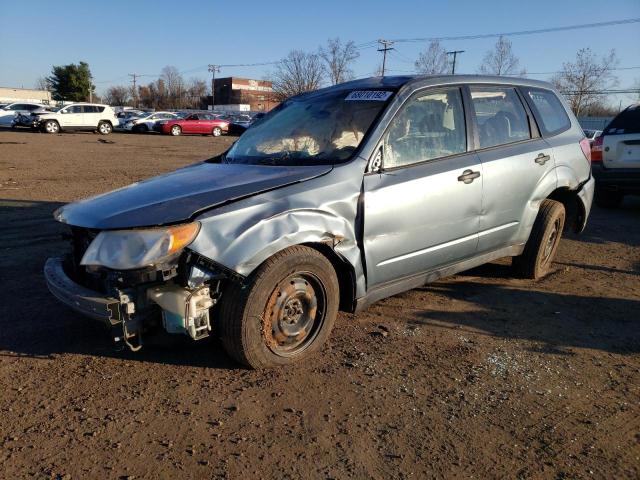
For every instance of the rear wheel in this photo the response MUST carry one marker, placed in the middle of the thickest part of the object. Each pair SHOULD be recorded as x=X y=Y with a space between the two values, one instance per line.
x=104 y=128
x=608 y=198
x=216 y=132
x=540 y=249
x=283 y=312
x=51 y=126
x=176 y=130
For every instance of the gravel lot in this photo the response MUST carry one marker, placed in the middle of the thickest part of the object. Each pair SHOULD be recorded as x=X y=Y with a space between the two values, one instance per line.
x=480 y=375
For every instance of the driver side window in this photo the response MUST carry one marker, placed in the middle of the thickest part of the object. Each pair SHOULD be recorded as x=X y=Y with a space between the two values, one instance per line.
x=430 y=125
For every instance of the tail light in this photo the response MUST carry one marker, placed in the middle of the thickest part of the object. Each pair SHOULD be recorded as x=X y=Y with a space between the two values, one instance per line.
x=596 y=149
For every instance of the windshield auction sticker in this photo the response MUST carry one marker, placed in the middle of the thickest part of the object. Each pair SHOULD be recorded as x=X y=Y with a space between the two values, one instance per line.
x=368 y=95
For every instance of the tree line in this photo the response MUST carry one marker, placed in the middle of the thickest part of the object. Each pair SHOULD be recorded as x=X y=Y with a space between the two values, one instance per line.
x=580 y=80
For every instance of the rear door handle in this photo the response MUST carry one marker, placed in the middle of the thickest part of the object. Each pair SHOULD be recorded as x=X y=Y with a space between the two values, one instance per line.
x=468 y=176
x=541 y=159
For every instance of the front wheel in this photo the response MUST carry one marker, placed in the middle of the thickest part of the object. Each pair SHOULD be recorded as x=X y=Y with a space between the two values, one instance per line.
x=216 y=132
x=283 y=312
x=51 y=126
x=540 y=249
x=176 y=130
x=104 y=128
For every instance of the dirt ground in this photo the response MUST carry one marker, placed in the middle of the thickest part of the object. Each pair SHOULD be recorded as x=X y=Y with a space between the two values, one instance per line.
x=476 y=376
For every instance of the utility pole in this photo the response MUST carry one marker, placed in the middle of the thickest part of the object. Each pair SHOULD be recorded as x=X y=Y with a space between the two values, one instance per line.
x=213 y=69
x=455 y=54
x=134 y=76
x=385 y=46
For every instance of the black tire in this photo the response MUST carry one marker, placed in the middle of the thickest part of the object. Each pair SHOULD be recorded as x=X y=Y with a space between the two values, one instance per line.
x=542 y=245
x=283 y=312
x=51 y=126
x=175 y=130
x=216 y=132
x=608 y=198
x=105 y=128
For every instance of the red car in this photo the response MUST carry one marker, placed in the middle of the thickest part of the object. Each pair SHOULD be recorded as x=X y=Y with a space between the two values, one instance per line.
x=197 y=123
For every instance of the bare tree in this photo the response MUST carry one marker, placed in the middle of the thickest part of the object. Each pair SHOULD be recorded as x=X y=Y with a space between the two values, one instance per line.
x=501 y=60
x=298 y=72
x=174 y=84
x=117 y=95
x=583 y=81
x=195 y=91
x=433 y=60
x=338 y=57
x=42 y=83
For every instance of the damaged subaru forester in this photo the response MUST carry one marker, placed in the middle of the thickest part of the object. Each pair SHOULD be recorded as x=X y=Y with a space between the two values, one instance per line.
x=335 y=199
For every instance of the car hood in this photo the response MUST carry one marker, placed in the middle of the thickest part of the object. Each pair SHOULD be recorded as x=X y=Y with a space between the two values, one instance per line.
x=180 y=195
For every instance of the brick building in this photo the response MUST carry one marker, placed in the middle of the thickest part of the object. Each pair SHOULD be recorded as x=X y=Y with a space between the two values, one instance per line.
x=235 y=91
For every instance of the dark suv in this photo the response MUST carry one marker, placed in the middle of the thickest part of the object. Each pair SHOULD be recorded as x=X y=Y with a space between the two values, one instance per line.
x=615 y=159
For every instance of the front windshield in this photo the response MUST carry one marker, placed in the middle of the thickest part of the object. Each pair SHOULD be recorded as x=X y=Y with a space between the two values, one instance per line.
x=313 y=129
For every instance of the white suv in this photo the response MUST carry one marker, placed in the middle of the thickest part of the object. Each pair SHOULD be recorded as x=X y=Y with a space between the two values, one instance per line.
x=80 y=116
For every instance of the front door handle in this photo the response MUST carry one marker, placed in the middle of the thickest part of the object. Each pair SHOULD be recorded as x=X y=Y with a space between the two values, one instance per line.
x=541 y=159
x=468 y=176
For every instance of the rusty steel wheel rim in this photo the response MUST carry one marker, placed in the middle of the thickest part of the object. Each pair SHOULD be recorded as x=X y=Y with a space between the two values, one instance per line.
x=294 y=314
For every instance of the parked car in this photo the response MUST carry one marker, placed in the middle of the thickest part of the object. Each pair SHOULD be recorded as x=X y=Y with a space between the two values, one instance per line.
x=615 y=158
x=32 y=119
x=8 y=112
x=338 y=198
x=195 y=123
x=592 y=134
x=239 y=123
x=146 y=122
x=79 y=116
x=125 y=115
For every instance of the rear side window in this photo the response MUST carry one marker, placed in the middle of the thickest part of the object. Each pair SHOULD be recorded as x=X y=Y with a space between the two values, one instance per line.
x=551 y=115
x=89 y=109
x=627 y=121
x=500 y=116
x=99 y=109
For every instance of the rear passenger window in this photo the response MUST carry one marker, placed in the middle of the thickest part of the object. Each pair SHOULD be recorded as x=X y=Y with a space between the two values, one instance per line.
x=549 y=111
x=99 y=109
x=500 y=116
x=89 y=109
x=430 y=125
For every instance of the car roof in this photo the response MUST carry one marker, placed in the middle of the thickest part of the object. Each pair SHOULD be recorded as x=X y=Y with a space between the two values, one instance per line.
x=399 y=81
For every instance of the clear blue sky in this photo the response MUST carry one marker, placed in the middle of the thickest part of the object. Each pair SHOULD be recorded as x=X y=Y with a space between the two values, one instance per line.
x=120 y=37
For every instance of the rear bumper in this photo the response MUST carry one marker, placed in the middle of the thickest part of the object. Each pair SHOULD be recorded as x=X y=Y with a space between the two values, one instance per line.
x=79 y=298
x=625 y=180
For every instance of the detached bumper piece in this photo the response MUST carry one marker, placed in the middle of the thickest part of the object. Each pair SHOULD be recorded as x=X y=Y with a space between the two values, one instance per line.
x=79 y=298
x=111 y=311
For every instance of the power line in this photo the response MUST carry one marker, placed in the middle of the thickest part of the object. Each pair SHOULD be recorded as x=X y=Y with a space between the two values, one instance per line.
x=521 y=32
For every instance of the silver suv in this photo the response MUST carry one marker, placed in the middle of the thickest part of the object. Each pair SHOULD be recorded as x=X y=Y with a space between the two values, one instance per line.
x=335 y=199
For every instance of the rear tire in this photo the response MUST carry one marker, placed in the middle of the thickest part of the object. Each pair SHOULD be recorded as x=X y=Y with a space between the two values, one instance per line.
x=104 y=128
x=283 y=312
x=540 y=249
x=176 y=130
x=608 y=198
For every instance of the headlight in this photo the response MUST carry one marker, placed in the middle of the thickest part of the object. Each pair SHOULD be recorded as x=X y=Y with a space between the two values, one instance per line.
x=129 y=249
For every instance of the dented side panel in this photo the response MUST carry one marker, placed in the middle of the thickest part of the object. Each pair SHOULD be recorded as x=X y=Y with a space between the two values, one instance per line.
x=242 y=235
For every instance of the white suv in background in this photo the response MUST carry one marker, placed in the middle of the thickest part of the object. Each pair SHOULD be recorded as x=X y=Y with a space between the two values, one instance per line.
x=80 y=116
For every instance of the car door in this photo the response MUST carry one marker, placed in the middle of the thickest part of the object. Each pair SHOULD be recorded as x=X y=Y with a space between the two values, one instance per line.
x=72 y=116
x=190 y=124
x=515 y=162
x=90 y=116
x=421 y=210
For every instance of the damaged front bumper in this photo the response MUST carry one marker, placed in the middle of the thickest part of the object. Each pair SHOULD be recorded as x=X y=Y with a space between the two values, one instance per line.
x=130 y=312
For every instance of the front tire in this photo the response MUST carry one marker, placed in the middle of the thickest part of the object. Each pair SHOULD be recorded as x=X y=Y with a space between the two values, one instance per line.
x=104 y=128
x=283 y=312
x=540 y=249
x=216 y=132
x=51 y=126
